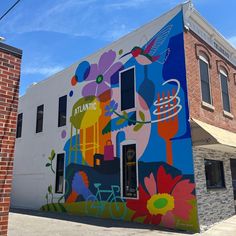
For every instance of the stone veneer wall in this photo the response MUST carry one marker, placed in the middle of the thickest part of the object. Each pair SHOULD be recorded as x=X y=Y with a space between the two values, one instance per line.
x=213 y=205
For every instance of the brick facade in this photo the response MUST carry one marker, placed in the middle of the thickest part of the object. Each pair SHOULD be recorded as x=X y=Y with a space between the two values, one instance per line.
x=213 y=205
x=193 y=46
x=10 y=62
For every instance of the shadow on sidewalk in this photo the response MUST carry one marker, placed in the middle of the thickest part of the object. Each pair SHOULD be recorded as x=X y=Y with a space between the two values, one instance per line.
x=108 y=223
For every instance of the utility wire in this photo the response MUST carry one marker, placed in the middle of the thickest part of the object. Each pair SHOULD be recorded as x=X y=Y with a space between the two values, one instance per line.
x=10 y=9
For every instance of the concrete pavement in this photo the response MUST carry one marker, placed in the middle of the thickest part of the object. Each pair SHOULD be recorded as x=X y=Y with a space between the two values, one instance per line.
x=35 y=223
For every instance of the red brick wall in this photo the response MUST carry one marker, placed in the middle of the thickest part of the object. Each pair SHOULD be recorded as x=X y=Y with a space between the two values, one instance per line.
x=193 y=44
x=9 y=89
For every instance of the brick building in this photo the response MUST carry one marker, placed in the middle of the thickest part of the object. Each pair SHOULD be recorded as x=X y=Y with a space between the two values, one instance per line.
x=10 y=62
x=134 y=132
x=211 y=70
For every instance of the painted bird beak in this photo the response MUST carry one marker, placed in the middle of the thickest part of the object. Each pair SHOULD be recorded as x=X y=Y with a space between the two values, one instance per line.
x=125 y=55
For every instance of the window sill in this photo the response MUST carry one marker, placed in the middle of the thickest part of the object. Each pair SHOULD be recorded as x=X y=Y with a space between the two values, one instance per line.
x=39 y=134
x=208 y=106
x=216 y=188
x=228 y=115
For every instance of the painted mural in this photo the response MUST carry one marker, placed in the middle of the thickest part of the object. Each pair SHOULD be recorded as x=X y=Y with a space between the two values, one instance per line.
x=128 y=153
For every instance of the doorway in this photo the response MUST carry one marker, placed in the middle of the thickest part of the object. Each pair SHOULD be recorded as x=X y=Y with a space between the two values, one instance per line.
x=129 y=171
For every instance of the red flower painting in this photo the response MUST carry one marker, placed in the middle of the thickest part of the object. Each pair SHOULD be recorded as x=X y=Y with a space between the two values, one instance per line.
x=164 y=199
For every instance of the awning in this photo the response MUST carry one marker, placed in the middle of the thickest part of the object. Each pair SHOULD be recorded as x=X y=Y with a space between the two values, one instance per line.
x=211 y=136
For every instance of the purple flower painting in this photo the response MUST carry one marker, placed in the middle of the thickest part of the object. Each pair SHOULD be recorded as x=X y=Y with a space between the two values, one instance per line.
x=102 y=76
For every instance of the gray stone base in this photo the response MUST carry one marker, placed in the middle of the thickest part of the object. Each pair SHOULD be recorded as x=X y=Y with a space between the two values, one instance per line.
x=216 y=204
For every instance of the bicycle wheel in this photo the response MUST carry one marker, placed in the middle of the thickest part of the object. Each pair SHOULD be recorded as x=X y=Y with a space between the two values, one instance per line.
x=92 y=205
x=118 y=208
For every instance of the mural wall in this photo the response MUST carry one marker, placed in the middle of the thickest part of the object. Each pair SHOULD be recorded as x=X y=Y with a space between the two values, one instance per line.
x=128 y=154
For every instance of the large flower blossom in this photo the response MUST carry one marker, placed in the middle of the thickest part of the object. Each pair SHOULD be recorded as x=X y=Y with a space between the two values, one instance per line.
x=164 y=198
x=101 y=76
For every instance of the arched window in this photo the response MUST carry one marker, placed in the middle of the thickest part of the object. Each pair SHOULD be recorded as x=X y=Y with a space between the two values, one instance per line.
x=225 y=89
x=205 y=78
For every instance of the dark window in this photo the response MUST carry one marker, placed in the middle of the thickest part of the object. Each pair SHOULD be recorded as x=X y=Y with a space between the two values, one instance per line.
x=39 y=119
x=127 y=84
x=214 y=174
x=60 y=173
x=205 y=82
x=129 y=171
x=225 y=92
x=19 y=125
x=233 y=173
x=62 y=111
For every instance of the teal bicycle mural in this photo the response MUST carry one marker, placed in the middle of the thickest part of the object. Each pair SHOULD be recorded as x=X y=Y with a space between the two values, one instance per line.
x=96 y=204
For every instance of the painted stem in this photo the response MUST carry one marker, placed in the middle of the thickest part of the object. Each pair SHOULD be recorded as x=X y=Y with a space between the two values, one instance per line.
x=52 y=168
x=52 y=198
x=131 y=120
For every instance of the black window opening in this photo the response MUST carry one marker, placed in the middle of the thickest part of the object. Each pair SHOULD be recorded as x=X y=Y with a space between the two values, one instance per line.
x=19 y=125
x=127 y=86
x=225 y=92
x=205 y=82
x=129 y=171
x=62 y=111
x=60 y=173
x=233 y=173
x=39 y=119
x=214 y=174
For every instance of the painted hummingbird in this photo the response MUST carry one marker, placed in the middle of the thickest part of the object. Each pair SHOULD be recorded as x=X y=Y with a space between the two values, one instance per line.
x=146 y=56
x=149 y=54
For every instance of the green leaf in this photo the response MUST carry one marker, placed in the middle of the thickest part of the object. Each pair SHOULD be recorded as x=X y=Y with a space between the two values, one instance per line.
x=125 y=114
x=52 y=154
x=48 y=164
x=50 y=189
x=120 y=121
x=142 y=116
x=120 y=51
x=138 y=127
x=50 y=158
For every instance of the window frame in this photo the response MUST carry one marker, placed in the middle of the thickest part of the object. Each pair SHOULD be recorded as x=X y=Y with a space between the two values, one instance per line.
x=56 y=174
x=135 y=101
x=124 y=143
x=205 y=59
x=223 y=72
x=37 y=119
x=222 y=173
x=58 y=121
x=17 y=125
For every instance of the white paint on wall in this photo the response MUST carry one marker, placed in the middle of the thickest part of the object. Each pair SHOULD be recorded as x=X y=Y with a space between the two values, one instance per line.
x=31 y=177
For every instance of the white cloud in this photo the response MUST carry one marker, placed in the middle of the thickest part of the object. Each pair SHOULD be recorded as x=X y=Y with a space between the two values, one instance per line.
x=115 y=32
x=45 y=71
x=120 y=5
x=92 y=18
x=232 y=40
x=127 y=4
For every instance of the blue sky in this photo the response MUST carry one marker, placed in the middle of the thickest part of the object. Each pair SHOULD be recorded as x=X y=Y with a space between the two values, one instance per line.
x=55 y=34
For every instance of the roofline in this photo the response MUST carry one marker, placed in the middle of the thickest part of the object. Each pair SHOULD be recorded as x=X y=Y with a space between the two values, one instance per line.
x=199 y=25
x=9 y=49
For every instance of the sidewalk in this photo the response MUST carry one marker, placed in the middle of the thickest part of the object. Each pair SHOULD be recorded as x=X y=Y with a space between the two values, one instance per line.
x=34 y=223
